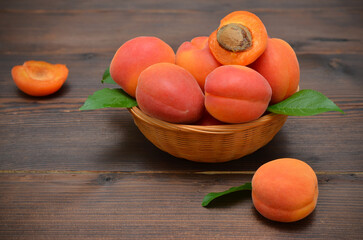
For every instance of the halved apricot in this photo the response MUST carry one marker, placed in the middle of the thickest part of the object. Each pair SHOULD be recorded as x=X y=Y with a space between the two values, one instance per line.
x=39 y=78
x=239 y=40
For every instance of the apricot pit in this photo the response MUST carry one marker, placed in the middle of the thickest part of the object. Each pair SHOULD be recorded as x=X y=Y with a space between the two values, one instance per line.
x=234 y=37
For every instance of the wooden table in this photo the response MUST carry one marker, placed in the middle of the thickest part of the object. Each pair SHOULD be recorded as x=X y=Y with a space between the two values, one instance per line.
x=67 y=174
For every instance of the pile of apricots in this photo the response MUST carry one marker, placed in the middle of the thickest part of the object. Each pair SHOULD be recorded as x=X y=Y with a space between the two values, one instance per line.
x=232 y=76
x=229 y=77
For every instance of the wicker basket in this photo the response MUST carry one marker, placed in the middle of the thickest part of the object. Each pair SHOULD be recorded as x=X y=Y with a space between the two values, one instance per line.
x=218 y=143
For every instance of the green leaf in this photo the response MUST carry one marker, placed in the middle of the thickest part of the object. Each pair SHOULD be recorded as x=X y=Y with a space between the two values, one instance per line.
x=306 y=102
x=107 y=97
x=106 y=78
x=211 y=196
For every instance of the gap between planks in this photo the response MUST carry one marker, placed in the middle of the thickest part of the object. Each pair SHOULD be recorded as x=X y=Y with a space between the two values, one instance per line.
x=166 y=10
x=157 y=172
x=112 y=51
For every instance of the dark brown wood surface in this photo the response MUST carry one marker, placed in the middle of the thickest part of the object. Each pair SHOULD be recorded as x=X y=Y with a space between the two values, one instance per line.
x=67 y=174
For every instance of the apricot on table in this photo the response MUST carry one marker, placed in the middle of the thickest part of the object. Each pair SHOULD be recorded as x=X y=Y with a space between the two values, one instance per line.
x=39 y=78
x=279 y=65
x=170 y=93
x=196 y=57
x=240 y=39
x=136 y=55
x=236 y=94
x=285 y=190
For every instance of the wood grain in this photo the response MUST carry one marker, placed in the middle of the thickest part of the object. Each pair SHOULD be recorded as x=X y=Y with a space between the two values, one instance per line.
x=163 y=206
x=47 y=32
x=108 y=140
x=200 y=5
x=54 y=132
x=336 y=75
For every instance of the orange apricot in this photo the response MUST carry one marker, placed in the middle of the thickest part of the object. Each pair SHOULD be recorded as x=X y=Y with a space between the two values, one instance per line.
x=39 y=78
x=208 y=120
x=279 y=65
x=236 y=94
x=196 y=57
x=170 y=93
x=240 y=39
x=285 y=190
x=136 y=55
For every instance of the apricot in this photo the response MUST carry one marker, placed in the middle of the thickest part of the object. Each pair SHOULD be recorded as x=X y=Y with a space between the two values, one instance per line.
x=279 y=65
x=170 y=93
x=136 y=55
x=39 y=78
x=196 y=57
x=208 y=120
x=240 y=39
x=236 y=94
x=285 y=190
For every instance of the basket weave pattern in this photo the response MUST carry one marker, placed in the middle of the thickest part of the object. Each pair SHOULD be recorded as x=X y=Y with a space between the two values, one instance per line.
x=218 y=143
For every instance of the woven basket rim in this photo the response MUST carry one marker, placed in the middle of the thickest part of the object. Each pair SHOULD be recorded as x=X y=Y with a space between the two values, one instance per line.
x=214 y=129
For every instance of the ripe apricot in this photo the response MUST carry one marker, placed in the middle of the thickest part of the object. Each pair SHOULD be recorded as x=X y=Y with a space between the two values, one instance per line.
x=208 y=120
x=279 y=65
x=39 y=78
x=236 y=94
x=169 y=92
x=196 y=57
x=240 y=39
x=136 y=55
x=285 y=190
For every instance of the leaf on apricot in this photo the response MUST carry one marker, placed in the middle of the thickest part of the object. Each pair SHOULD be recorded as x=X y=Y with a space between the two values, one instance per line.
x=306 y=102
x=106 y=78
x=107 y=97
x=211 y=196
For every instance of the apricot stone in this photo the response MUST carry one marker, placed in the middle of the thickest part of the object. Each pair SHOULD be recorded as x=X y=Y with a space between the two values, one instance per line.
x=170 y=93
x=285 y=190
x=279 y=65
x=196 y=57
x=236 y=94
x=136 y=55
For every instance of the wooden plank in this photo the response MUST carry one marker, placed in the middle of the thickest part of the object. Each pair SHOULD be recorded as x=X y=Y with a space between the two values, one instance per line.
x=108 y=140
x=336 y=75
x=164 y=206
x=201 y=5
x=51 y=133
x=312 y=30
